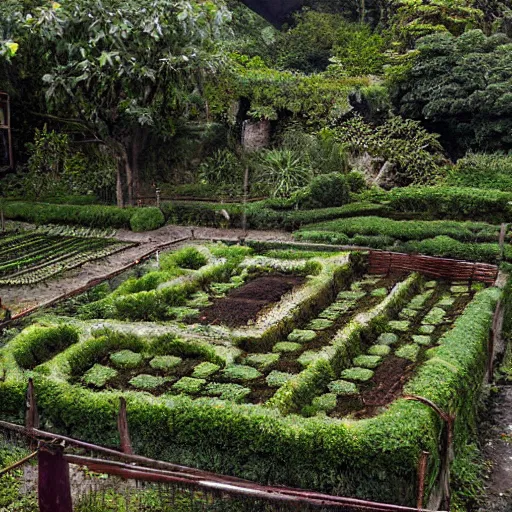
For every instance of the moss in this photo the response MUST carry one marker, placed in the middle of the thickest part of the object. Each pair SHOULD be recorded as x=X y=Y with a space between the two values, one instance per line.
x=379 y=350
x=356 y=373
x=379 y=292
x=422 y=340
x=231 y=392
x=165 y=362
x=431 y=284
x=367 y=361
x=241 y=372
x=320 y=324
x=410 y=352
x=308 y=357
x=261 y=361
x=189 y=385
x=287 y=346
x=203 y=370
x=99 y=375
x=302 y=336
x=342 y=387
x=277 y=379
x=434 y=317
x=387 y=338
x=399 y=325
x=426 y=329
x=126 y=359
x=325 y=402
x=147 y=382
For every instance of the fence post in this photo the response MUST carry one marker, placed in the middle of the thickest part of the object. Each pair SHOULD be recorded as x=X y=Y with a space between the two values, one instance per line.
x=31 y=415
x=54 y=489
x=122 y=425
x=422 y=470
x=503 y=233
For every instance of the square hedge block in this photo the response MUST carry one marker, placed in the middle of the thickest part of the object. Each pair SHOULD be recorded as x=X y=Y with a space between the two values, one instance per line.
x=189 y=385
x=422 y=340
x=308 y=357
x=410 y=352
x=427 y=329
x=387 y=338
x=165 y=362
x=434 y=317
x=147 y=382
x=342 y=387
x=364 y=361
x=379 y=350
x=99 y=375
x=326 y=402
x=261 y=361
x=287 y=346
x=241 y=372
x=356 y=373
x=350 y=295
x=126 y=359
x=204 y=370
x=399 y=325
x=379 y=292
x=302 y=336
x=277 y=379
x=229 y=392
x=319 y=324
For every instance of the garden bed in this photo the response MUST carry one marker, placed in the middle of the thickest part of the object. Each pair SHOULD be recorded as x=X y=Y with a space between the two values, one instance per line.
x=315 y=372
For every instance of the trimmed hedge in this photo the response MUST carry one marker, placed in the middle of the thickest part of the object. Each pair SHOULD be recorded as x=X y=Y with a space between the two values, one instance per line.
x=453 y=202
x=93 y=216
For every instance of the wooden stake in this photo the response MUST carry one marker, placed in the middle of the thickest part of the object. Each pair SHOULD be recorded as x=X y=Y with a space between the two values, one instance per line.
x=54 y=489
x=122 y=425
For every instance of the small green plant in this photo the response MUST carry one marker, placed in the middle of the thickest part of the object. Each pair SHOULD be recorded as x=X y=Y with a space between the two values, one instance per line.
x=328 y=190
x=399 y=325
x=99 y=375
x=422 y=339
x=126 y=359
x=241 y=372
x=277 y=379
x=261 y=361
x=189 y=385
x=319 y=324
x=326 y=402
x=286 y=346
x=342 y=387
x=387 y=338
x=204 y=370
x=302 y=336
x=165 y=363
x=147 y=382
x=410 y=352
x=356 y=373
x=379 y=350
x=370 y=362
x=231 y=392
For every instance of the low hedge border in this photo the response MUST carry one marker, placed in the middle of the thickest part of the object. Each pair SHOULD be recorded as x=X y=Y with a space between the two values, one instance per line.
x=93 y=216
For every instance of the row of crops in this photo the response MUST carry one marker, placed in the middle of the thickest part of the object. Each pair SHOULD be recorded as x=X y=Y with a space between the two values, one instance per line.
x=31 y=257
x=252 y=364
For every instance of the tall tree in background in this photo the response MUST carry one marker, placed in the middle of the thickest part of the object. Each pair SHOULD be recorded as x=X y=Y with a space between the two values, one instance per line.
x=118 y=69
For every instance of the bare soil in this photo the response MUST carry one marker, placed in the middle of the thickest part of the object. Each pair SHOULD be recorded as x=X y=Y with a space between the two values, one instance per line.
x=244 y=304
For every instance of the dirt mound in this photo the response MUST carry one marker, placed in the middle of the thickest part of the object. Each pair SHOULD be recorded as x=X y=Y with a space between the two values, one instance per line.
x=244 y=304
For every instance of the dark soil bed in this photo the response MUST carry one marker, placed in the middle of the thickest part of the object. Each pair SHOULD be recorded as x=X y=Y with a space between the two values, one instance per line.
x=245 y=303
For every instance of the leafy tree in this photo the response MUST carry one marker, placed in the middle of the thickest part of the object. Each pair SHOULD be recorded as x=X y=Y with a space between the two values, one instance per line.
x=135 y=69
x=461 y=86
x=402 y=147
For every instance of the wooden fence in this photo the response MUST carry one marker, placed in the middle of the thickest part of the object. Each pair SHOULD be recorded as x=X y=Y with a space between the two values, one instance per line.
x=383 y=262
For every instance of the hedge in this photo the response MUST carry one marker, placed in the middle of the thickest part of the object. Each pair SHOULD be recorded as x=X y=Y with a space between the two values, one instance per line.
x=453 y=202
x=93 y=216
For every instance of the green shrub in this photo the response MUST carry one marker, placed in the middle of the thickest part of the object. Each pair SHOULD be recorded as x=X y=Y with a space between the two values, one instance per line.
x=370 y=362
x=37 y=344
x=356 y=182
x=329 y=190
x=410 y=352
x=379 y=350
x=326 y=402
x=147 y=219
x=453 y=202
x=286 y=346
x=302 y=336
x=93 y=216
x=188 y=257
x=261 y=361
x=387 y=338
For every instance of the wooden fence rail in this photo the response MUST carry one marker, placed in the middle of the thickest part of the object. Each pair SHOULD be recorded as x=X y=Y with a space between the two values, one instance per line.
x=383 y=262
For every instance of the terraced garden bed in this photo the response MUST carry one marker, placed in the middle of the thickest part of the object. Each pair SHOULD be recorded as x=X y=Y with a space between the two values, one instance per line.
x=252 y=364
x=31 y=257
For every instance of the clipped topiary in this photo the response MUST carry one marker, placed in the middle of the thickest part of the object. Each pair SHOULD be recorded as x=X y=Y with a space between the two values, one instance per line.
x=329 y=190
x=232 y=392
x=99 y=375
x=277 y=379
x=342 y=387
x=302 y=336
x=147 y=219
x=165 y=362
x=203 y=370
x=189 y=385
x=240 y=372
x=126 y=359
x=261 y=361
x=147 y=382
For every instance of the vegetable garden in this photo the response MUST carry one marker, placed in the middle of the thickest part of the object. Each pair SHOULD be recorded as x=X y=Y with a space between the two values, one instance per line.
x=280 y=367
x=30 y=257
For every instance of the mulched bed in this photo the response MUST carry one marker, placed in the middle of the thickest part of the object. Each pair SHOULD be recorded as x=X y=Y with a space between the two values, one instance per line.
x=245 y=303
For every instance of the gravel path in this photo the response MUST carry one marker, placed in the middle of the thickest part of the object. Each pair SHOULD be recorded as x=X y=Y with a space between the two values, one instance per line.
x=20 y=298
